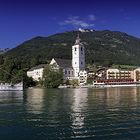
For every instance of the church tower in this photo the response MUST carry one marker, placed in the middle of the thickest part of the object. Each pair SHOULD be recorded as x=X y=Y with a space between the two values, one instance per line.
x=78 y=56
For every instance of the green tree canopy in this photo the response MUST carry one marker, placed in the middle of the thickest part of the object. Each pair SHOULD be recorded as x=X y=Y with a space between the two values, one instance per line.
x=52 y=78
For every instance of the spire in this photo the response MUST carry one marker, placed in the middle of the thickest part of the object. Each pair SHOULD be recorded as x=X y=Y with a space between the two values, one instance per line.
x=78 y=40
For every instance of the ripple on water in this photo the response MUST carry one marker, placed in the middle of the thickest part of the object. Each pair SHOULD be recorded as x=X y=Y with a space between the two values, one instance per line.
x=102 y=114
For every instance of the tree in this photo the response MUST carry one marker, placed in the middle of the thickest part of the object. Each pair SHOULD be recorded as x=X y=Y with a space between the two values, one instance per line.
x=74 y=82
x=28 y=81
x=52 y=78
x=90 y=80
x=1 y=59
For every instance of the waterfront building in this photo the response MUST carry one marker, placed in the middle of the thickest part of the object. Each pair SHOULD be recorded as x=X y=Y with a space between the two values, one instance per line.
x=78 y=57
x=65 y=65
x=72 y=69
x=137 y=75
x=75 y=68
x=119 y=74
x=36 y=72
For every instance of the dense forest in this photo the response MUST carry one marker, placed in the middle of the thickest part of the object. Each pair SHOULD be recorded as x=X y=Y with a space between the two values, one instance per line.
x=103 y=48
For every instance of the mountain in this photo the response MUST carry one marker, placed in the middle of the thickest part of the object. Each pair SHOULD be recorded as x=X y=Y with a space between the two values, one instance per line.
x=101 y=47
x=2 y=51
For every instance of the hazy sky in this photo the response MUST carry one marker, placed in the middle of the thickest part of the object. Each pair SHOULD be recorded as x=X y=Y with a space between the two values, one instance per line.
x=21 y=20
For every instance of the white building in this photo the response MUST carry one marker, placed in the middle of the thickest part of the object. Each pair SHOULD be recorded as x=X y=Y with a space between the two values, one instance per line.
x=78 y=57
x=75 y=68
x=65 y=65
x=137 y=75
x=82 y=76
x=36 y=72
x=72 y=69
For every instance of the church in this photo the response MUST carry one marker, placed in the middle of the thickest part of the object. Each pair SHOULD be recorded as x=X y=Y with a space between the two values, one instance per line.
x=72 y=69
x=75 y=68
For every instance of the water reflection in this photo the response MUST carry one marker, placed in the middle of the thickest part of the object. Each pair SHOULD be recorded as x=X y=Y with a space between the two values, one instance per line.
x=34 y=100
x=107 y=113
x=79 y=106
x=112 y=97
x=117 y=96
x=8 y=96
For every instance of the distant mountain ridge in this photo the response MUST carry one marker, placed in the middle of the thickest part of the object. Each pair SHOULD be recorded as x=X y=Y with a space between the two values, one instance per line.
x=4 y=50
x=102 y=47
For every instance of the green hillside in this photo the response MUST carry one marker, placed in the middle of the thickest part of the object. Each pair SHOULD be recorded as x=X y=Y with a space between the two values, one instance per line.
x=102 y=48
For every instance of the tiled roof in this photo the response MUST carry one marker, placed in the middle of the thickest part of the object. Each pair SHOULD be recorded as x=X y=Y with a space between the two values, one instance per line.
x=63 y=63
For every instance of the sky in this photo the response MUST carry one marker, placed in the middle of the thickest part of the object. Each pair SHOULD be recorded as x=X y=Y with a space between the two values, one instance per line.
x=21 y=20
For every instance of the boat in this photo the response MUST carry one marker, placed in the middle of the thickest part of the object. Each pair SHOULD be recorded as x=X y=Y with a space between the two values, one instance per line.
x=11 y=87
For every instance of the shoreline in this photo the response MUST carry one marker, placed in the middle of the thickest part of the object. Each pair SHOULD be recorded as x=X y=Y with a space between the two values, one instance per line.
x=100 y=86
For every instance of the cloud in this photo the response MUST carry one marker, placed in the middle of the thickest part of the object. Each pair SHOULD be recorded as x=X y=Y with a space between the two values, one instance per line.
x=76 y=21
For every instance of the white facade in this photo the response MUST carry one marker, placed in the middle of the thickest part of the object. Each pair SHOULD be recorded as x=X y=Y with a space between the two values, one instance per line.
x=36 y=74
x=137 y=75
x=76 y=68
x=54 y=64
x=78 y=57
x=72 y=69
x=82 y=77
x=68 y=73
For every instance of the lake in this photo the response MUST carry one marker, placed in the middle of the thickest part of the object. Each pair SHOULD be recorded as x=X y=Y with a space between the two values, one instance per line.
x=49 y=114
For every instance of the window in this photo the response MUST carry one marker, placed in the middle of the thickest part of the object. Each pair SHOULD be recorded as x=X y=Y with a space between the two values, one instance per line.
x=65 y=71
x=69 y=72
x=75 y=62
x=81 y=49
x=75 y=49
x=81 y=63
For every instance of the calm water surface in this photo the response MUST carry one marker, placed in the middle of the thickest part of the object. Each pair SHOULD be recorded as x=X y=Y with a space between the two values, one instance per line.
x=49 y=114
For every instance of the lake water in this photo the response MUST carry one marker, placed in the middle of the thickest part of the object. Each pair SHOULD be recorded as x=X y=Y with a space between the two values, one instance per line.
x=87 y=114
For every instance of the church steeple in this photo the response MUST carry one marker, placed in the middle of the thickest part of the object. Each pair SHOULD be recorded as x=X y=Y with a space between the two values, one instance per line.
x=78 y=56
x=78 y=40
